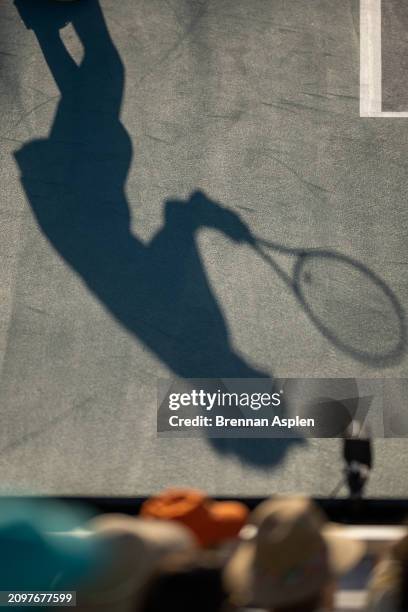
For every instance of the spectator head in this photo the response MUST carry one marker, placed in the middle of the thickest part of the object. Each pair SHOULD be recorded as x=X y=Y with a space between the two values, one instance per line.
x=400 y=555
x=212 y=522
x=186 y=583
x=289 y=557
x=136 y=547
x=388 y=589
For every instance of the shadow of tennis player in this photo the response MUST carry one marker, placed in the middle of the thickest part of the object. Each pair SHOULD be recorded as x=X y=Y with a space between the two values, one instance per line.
x=75 y=181
x=160 y=291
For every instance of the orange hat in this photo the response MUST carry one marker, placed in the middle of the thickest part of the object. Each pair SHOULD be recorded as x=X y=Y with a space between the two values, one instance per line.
x=212 y=522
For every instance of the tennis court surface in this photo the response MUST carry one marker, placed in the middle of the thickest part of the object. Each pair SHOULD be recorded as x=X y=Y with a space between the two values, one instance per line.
x=143 y=147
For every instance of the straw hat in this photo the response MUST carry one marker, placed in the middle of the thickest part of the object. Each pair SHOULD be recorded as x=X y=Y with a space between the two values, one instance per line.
x=287 y=554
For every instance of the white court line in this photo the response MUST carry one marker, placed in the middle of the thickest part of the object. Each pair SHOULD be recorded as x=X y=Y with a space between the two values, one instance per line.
x=371 y=61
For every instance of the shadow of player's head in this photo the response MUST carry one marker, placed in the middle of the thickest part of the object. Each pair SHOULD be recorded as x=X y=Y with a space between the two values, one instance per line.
x=43 y=15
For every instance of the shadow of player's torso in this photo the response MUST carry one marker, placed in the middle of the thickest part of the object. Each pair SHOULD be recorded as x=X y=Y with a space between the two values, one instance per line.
x=160 y=290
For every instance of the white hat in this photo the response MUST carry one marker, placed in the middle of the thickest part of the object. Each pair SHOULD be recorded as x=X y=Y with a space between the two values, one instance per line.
x=136 y=546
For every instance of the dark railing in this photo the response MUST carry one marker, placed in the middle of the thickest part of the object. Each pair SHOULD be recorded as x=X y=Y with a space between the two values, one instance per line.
x=365 y=512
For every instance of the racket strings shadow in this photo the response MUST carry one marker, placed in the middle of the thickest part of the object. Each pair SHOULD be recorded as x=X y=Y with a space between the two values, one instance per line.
x=348 y=303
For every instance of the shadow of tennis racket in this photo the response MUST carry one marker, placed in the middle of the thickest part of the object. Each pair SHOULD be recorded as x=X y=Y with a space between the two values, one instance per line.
x=349 y=304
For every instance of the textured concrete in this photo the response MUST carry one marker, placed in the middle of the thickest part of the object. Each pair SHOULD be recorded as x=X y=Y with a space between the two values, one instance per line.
x=394 y=56
x=112 y=276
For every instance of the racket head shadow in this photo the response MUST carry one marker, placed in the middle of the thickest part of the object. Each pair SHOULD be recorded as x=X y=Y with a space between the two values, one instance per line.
x=351 y=306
